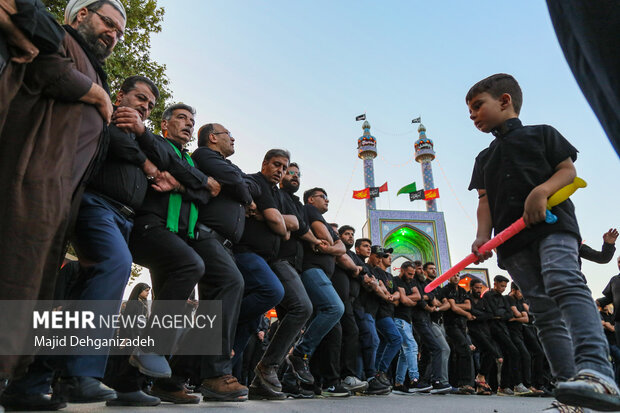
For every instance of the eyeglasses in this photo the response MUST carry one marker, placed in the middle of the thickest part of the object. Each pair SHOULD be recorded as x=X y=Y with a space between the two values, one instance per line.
x=109 y=23
x=226 y=132
x=321 y=196
x=293 y=173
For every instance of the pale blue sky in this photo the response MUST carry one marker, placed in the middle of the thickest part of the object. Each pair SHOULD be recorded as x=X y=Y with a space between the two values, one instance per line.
x=294 y=74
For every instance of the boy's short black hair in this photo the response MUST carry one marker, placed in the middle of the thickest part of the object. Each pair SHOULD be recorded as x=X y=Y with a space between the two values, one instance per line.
x=344 y=228
x=500 y=279
x=426 y=264
x=496 y=85
x=359 y=241
x=514 y=286
x=406 y=264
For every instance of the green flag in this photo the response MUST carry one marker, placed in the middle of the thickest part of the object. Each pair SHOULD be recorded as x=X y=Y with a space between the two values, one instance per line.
x=407 y=189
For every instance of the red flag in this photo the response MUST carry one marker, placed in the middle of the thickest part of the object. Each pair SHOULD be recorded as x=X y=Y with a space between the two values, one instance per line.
x=431 y=194
x=363 y=194
x=383 y=188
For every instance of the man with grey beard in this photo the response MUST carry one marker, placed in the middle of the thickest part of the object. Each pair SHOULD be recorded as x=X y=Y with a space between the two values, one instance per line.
x=55 y=127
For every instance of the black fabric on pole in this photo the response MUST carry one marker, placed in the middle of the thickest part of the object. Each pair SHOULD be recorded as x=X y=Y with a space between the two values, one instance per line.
x=416 y=195
x=588 y=32
x=360 y=117
x=374 y=191
x=416 y=120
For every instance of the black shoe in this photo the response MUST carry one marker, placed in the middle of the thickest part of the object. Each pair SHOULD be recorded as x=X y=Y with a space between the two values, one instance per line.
x=259 y=392
x=134 y=398
x=30 y=402
x=299 y=365
x=418 y=387
x=336 y=390
x=82 y=390
x=441 y=388
x=400 y=389
x=383 y=378
x=296 y=391
x=268 y=376
x=377 y=388
x=150 y=364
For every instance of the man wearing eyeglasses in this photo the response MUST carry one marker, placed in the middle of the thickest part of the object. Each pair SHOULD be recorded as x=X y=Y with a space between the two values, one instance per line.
x=54 y=129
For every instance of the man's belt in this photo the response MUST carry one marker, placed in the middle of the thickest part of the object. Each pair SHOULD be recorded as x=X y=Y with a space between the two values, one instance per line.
x=123 y=209
x=226 y=243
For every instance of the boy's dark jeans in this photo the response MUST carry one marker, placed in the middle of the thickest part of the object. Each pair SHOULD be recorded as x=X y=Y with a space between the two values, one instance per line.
x=569 y=325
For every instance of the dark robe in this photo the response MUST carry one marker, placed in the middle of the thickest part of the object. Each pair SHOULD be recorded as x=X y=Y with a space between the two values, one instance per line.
x=47 y=142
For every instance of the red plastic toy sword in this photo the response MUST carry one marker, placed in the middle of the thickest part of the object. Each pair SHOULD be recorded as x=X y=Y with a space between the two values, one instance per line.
x=560 y=196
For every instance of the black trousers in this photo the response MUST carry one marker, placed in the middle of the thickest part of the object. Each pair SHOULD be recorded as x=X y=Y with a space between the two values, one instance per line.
x=480 y=337
x=511 y=368
x=293 y=312
x=350 y=331
x=460 y=349
x=325 y=362
x=525 y=358
x=538 y=355
x=423 y=331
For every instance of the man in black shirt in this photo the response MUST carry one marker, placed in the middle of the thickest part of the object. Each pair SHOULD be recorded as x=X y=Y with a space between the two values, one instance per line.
x=501 y=314
x=455 y=322
x=318 y=265
x=611 y=295
x=365 y=309
x=408 y=358
x=481 y=336
x=420 y=315
x=389 y=295
x=295 y=308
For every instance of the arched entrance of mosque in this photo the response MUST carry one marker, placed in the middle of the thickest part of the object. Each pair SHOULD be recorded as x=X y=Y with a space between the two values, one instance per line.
x=409 y=244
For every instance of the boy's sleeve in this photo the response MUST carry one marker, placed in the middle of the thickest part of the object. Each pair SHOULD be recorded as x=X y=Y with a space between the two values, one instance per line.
x=557 y=148
x=477 y=177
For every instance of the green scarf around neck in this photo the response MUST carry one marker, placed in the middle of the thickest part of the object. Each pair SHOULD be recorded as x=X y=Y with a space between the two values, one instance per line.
x=175 y=201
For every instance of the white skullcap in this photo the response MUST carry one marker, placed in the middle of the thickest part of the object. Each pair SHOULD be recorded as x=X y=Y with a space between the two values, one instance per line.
x=75 y=6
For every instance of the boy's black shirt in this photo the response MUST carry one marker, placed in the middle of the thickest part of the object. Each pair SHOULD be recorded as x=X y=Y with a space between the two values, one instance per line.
x=480 y=310
x=314 y=259
x=517 y=160
x=515 y=325
x=403 y=311
x=418 y=313
x=498 y=306
x=459 y=295
x=386 y=309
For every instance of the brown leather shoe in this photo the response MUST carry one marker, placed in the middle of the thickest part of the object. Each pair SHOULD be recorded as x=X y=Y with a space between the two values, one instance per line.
x=176 y=397
x=224 y=388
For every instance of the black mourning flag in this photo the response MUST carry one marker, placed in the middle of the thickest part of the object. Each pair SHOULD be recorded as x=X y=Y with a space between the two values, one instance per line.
x=361 y=117
x=416 y=195
x=374 y=191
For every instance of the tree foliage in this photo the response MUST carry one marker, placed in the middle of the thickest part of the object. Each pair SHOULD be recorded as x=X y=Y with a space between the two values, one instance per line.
x=132 y=56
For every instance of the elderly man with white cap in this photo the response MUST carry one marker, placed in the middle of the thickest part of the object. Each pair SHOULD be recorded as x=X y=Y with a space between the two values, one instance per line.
x=53 y=137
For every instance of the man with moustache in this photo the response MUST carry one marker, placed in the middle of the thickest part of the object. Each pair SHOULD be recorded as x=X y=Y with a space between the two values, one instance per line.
x=51 y=133
x=164 y=227
x=295 y=308
x=220 y=224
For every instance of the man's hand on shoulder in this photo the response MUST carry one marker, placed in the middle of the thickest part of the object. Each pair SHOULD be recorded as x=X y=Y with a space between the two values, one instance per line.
x=610 y=236
x=129 y=120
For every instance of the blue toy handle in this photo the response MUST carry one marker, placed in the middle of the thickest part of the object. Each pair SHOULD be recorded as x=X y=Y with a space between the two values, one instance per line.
x=550 y=218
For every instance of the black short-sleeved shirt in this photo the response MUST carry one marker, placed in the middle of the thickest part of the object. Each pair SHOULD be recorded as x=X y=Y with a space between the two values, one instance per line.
x=459 y=295
x=519 y=159
x=611 y=294
x=515 y=325
x=291 y=250
x=371 y=300
x=418 y=312
x=257 y=236
x=437 y=316
x=403 y=311
x=611 y=337
x=386 y=309
x=355 y=284
x=314 y=259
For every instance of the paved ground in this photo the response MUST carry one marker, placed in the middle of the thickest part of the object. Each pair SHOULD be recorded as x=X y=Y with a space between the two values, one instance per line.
x=360 y=404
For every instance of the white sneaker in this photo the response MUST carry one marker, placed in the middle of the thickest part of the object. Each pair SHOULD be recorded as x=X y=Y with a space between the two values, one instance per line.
x=354 y=384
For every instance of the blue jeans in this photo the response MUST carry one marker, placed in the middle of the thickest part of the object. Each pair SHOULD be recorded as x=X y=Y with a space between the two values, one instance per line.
x=392 y=341
x=568 y=322
x=369 y=341
x=408 y=358
x=328 y=308
x=101 y=235
x=262 y=292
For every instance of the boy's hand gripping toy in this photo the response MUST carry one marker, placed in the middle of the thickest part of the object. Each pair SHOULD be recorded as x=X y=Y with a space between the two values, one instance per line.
x=560 y=196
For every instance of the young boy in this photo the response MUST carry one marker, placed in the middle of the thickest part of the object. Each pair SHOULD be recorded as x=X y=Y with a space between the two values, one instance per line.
x=514 y=176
